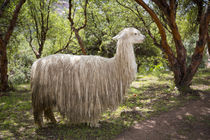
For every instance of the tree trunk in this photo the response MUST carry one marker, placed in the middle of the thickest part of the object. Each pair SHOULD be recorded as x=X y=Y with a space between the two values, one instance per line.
x=208 y=44
x=3 y=65
x=80 y=41
x=76 y=30
x=199 y=49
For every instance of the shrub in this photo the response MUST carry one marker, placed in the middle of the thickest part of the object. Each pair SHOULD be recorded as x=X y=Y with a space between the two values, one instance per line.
x=152 y=65
x=19 y=68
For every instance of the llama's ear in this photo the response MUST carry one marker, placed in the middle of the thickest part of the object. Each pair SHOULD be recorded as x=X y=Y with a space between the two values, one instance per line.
x=118 y=36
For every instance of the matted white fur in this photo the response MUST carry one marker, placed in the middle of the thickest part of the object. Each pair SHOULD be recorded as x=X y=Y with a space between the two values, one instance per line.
x=82 y=87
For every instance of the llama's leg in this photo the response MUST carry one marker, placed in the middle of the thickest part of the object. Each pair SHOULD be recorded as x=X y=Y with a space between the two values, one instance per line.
x=38 y=119
x=49 y=115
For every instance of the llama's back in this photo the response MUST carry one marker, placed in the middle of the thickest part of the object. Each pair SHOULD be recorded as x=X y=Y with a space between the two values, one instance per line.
x=57 y=67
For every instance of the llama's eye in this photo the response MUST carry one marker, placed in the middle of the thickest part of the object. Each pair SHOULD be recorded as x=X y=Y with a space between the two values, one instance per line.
x=135 y=33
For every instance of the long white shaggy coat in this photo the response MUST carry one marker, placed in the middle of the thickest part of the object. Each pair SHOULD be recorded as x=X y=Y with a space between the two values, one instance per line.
x=82 y=87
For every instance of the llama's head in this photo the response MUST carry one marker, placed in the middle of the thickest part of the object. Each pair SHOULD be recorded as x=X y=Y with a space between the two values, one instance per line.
x=130 y=34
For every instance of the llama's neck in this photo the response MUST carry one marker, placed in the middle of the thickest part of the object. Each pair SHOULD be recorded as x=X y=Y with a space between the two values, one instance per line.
x=125 y=56
x=125 y=52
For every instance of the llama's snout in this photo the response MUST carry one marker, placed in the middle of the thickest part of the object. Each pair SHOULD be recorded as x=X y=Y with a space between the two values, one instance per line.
x=141 y=38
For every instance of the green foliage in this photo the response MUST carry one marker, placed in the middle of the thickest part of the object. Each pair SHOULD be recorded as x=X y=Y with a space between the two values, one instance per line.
x=7 y=15
x=19 y=69
x=105 y=20
x=58 y=35
x=154 y=65
x=102 y=26
x=20 y=61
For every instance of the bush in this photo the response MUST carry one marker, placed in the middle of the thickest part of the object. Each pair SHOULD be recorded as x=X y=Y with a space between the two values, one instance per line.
x=152 y=65
x=19 y=69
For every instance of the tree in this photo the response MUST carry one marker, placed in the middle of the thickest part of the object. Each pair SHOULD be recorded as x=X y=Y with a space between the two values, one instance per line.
x=4 y=40
x=183 y=74
x=77 y=29
x=40 y=14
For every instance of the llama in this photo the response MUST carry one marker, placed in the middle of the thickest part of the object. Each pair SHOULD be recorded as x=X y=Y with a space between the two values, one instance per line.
x=82 y=87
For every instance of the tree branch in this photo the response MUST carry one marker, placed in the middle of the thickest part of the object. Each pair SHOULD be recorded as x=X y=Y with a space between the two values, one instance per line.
x=164 y=43
x=180 y=49
x=76 y=30
x=199 y=3
x=13 y=21
x=162 y=4
x=66 y=46
x=30 y=43
x=36 y=24
x=85 y=14
x=138 y=14
x=48 y=15
x=200 y=45
x=44 y=28
x=127 y=8
x=208 y=44
x=70 y=18
x=170 y=13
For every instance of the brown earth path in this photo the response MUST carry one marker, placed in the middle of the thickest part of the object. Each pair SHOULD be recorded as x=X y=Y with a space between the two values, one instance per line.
x=191 y=122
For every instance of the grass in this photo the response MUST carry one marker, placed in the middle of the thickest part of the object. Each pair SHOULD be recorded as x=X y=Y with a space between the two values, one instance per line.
x=148 y=96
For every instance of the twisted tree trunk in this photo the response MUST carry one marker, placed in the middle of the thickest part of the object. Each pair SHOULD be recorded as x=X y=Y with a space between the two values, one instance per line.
x=3 y=66
x=183 y=75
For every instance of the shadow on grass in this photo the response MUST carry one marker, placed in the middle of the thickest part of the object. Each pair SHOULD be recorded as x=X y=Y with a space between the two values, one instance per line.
x=202 y=81
x=15 y=115
x=16 y=122
x=106 y=131
x=202 y=77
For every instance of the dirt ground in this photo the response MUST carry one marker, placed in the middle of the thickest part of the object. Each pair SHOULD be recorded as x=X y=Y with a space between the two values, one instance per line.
x=191 y=122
